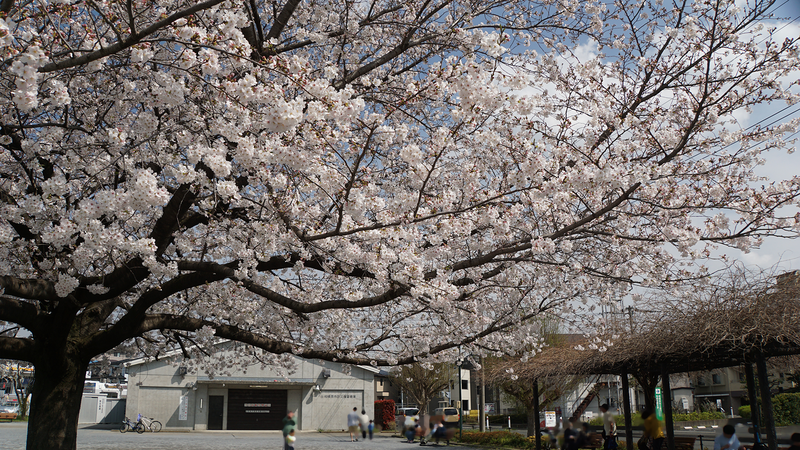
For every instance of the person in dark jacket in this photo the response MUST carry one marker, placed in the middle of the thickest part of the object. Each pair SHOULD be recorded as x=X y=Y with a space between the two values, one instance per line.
x=571 y=435
x=288 y=426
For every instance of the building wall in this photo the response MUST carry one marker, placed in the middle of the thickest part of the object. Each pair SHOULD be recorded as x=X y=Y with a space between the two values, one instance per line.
x=158 y=389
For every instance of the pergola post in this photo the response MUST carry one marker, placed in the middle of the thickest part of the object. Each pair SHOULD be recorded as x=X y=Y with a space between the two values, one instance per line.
x=666 y=397
x=751 y=392
x=626 y=409
x=766 y=401
x=482 y=410
x=537 y=426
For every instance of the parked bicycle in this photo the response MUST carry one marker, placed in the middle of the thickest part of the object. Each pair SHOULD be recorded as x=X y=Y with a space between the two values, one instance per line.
x=148 y=424
x=129 y=425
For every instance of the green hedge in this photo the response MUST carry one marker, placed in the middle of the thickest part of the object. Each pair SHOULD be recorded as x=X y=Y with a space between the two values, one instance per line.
x=786 y=408
x=497 y=439
x=636 y=418
x=744 y=411
x=705 y=415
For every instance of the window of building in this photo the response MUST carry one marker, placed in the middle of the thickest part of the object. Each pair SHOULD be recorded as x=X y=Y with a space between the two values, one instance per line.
x=701 y=381
x=716 y=378
x=742 y=378
x=464 y=384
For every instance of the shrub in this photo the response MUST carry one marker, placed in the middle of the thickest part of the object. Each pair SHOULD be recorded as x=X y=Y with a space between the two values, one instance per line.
x=744 y=411
x=384 y=414
x=497 y=439
x=700 y=415
x=636 y=418
x=787 y=409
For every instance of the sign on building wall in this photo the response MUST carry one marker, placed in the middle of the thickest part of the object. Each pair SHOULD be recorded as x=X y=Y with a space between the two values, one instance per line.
x=183 y=409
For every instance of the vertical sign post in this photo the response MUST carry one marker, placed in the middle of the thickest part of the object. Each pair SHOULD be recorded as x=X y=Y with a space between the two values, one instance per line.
x=659 y=405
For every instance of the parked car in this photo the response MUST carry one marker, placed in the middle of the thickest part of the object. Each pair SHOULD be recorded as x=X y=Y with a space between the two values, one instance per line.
x=404 y=417
x=450 y=416
x=9 y=411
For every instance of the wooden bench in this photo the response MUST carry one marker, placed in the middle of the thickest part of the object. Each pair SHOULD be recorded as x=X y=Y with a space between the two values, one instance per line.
x=684 y=443
x=8 y=416
x=593 y=441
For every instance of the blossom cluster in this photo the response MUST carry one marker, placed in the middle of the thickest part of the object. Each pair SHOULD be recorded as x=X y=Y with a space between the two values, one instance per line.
x=365 y=178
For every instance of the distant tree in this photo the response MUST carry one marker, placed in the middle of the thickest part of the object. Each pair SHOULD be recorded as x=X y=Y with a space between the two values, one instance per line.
x=422 y=381
x=19 y=375
x=511 y=376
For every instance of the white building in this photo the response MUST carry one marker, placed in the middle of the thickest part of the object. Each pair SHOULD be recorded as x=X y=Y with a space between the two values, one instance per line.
x=320 y=393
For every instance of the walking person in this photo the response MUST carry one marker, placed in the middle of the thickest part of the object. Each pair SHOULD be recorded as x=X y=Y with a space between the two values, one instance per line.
x=290 y=441
x=570 y=435
x=609 y=428
x=371 y=429
x=653 y=434
x=288 y=429
x=363 y=422
x=352 y=424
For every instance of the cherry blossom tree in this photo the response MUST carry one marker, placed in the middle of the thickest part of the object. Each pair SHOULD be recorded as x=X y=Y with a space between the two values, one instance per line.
x=422 y=382
x=367 y=182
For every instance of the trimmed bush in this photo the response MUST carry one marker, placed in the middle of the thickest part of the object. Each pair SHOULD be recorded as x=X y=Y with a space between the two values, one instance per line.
x=787 y=409
x=384 y=414
x=636 y=418
x=744 y=411
x=703 y=415
x=497 y=439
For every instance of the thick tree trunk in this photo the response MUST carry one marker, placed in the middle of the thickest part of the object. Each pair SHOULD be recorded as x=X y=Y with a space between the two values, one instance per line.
x=531 y=420
x=56 y=403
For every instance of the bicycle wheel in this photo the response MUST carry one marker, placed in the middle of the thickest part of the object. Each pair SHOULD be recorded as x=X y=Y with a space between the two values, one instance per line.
x=124 y=427
x=139 y=428
x=155 y=426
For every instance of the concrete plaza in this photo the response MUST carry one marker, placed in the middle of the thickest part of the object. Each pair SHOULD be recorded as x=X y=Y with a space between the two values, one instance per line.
x=12 y=437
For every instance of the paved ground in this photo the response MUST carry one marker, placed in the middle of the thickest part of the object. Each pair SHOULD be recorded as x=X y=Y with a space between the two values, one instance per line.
x=12 y=437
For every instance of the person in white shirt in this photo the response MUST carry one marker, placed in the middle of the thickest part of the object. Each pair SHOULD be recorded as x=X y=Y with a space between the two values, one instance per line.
x=352 y=424
x=609 y=428
x=363 y=422
x=728 y=440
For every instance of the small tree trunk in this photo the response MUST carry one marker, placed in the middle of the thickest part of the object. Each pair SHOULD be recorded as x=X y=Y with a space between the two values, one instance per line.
x=56 y=404
x=531 y=420
x=648 y=383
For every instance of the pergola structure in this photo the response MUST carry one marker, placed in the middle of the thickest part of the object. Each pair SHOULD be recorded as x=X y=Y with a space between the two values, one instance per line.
x=736 y=325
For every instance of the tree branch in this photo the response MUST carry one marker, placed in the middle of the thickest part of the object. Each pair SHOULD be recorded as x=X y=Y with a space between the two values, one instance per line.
x=17 y=348
x=133 y=39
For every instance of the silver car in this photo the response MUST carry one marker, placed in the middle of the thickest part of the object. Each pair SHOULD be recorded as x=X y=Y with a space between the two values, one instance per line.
x=12 y=408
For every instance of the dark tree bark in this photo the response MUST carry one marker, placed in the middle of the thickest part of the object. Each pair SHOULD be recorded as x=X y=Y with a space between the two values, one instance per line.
x=56 y=399
x=648 y=382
